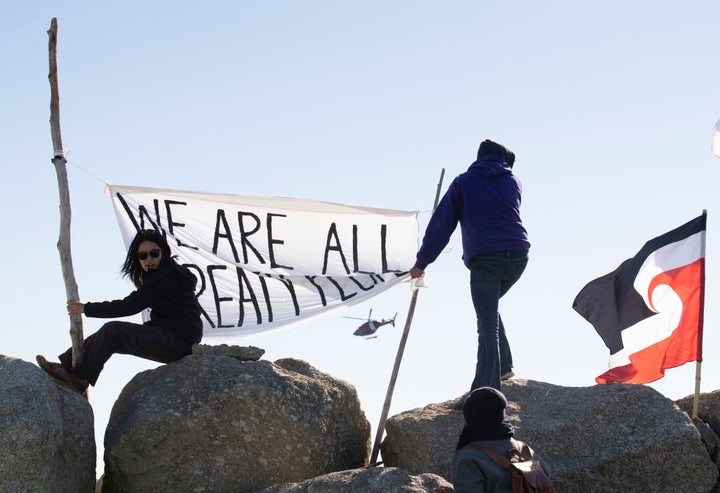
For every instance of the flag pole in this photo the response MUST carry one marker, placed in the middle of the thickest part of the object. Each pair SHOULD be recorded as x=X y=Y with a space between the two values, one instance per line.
x=58 y=160
x=696 y=398
x=701 y=321
x=399 y=355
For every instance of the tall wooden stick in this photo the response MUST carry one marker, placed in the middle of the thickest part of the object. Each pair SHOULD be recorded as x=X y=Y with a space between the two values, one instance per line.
x=696 y=395
x=71 y=289
x=399 y=355
x=701 y=328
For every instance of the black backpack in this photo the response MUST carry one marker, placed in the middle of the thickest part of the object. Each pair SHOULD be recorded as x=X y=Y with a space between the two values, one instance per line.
x=528 y=475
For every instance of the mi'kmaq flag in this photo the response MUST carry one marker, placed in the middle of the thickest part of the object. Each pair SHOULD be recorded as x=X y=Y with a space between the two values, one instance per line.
x=649 y=311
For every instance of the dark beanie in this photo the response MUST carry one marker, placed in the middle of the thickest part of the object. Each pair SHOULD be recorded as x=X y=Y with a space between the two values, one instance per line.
x=487 y=146
x=484 y=406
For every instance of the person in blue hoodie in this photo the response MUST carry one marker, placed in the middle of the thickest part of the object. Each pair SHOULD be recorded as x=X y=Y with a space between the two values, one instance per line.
x=163 y=286
x=485 y=200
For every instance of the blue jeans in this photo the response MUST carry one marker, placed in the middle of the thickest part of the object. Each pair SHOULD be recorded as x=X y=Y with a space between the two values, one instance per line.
x=491 y=276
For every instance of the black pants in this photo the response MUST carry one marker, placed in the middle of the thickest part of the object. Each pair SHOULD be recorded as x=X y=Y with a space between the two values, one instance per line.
x=146 y=341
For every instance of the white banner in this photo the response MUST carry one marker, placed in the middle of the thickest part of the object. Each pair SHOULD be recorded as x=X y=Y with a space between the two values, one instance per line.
x=266 y=262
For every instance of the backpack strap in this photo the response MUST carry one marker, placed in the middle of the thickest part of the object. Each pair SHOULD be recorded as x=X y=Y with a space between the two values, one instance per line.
x=521 y=451
x=520 y=463
x=499 y=459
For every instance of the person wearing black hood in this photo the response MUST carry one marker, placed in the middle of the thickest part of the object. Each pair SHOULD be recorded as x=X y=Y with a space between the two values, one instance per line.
x=163 y=286
x=474 y=471
x=485 y=200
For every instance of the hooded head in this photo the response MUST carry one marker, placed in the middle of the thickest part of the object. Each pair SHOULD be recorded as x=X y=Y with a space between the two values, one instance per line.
x=484 y=406
x=487 y=146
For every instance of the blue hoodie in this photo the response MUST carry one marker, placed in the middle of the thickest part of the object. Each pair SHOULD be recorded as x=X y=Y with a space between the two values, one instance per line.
x=485 y=200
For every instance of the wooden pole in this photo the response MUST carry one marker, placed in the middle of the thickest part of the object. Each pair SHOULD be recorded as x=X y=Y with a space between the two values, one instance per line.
x=399 y=355
x=701 y=323
x=696 y=398
x=63 y=245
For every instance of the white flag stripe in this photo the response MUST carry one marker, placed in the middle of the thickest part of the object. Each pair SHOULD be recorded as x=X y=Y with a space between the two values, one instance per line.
x=663 y=299
x=668 y=257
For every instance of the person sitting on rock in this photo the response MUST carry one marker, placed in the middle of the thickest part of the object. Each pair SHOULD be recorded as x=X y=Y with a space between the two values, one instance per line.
x=474 y=471
x=163 y=286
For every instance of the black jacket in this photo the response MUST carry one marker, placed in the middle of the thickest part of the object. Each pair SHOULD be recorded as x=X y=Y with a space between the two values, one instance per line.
x=169 y=292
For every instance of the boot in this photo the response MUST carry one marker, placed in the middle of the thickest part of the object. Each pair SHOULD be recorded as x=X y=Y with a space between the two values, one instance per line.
x=65 y=378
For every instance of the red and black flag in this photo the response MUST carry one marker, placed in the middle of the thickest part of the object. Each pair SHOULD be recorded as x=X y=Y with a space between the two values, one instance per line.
x=649 y=311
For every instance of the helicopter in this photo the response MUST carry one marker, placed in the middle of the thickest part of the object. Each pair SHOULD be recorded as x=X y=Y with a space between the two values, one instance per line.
x=368 y=329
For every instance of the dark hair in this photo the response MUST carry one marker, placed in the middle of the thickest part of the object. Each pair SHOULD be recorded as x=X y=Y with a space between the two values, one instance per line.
x=487 y=146
x=131 y=268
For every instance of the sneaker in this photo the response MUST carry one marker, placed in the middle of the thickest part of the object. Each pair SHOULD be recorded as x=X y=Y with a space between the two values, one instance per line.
x=507 y=374
x=49 y=366
x=58 y=373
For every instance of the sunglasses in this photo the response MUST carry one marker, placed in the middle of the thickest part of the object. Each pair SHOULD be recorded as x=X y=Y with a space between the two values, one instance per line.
x=154 y=253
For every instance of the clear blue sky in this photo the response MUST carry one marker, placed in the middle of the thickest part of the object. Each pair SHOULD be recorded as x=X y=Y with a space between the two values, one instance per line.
x=609 y=108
